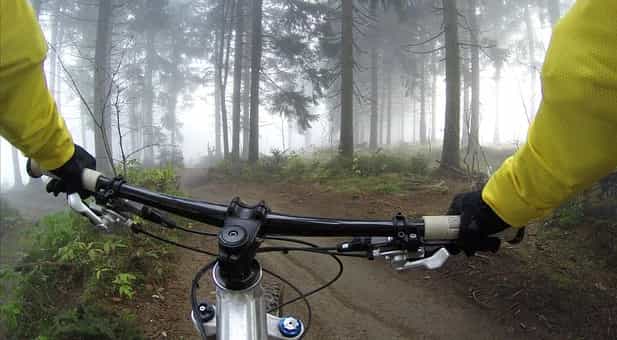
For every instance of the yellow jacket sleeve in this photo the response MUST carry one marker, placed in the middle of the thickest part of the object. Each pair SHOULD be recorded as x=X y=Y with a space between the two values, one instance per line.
x=573 y=139
x=29 y=118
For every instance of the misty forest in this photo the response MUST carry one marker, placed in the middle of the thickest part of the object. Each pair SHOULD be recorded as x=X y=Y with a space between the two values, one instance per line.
x=333 y=108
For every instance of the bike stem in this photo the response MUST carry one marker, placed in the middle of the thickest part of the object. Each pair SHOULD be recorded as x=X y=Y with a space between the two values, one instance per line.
x=237 y=240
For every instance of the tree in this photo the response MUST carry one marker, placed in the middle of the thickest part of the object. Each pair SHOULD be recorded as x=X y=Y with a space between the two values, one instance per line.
x=102 y=88
x=238 y=56
x=255 y=72
x=423 y=137
x=347 y=64
x=450 y=156
x=474 y=125
x=16 y=170
x=374 y=81
x=246 y=88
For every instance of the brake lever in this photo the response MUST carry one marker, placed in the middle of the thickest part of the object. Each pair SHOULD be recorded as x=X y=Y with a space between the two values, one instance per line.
x=432 y=262
x=400 y=259
x=77 y=205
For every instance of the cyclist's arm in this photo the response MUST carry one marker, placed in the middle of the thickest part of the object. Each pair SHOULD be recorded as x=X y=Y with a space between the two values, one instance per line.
x=573 y=140
x=29 y=118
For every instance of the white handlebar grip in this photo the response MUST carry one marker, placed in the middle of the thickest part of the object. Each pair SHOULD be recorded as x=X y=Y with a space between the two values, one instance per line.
x=89 y=178
x=33 y=169
x=441 y=227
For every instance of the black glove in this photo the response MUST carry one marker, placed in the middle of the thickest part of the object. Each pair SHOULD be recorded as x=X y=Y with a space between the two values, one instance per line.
x=478 y=223
x=70 y=174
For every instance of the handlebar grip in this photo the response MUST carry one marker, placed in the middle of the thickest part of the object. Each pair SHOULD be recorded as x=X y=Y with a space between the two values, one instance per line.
x=33 y=169
x=89 y=177
x=441 y=227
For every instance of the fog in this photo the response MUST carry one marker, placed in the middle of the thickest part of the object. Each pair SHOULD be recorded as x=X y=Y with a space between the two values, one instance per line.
x=165 y=63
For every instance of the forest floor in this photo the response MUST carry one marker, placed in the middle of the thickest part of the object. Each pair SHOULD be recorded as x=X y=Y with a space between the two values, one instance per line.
x=546 y=288
x=552 y=286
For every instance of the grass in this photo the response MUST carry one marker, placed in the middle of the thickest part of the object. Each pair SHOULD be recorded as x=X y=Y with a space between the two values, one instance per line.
x=365 y=172
x=392 y=170
x=66 y=285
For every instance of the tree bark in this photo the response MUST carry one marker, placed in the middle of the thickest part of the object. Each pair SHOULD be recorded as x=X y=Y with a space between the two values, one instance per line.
x=102 y=85
x=223 y=82
x=465 y=108
x=450 y=155
x=496 y=139
x=172 y=103
x=246 y=90
x=433 y=99
x=217 y=78
x=255 y=71
x=346 y=141
x=474 y=127
x=16 y=170
x=422 y=101
x=238 y=54
x=148 y=100
x=374 y=82
x=382 y=108
x=389 y=105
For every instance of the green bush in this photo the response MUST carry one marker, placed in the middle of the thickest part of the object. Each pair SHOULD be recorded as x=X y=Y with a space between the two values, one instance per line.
x=163 y=179
x=87 y=322
x=68 y=264
x=377 y=172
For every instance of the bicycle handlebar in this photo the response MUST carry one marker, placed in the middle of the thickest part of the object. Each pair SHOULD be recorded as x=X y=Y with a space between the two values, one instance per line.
x=429 y=228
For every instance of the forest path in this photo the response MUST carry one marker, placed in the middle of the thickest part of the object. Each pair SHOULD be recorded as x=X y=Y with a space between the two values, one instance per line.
x=370 y=301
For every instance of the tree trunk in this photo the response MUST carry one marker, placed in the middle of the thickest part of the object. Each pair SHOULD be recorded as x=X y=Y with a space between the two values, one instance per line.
x=422 y=102
x=496 y=139
x=133 y=123
x=16 y=170
x=382 y=108
x=307 y=138
x=217 y=90
x=450 y=155
x=414 y=122
x=374 y=82
x=389 y=105
x=148 y=100
x=246 y=90
x=223 y=83
x=172 y=103
x=465 y=108
x=474 y=128
x=102 y=86
x=346 y=142
x=238 y=54
x=434 y=62
x=255 y=70
x=290 y=126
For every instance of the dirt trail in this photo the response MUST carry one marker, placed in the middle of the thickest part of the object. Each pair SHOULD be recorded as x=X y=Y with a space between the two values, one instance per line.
x=371 y=301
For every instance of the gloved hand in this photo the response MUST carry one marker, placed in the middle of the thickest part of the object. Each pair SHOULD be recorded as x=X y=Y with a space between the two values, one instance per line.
x=70 y=174
x=478 y=223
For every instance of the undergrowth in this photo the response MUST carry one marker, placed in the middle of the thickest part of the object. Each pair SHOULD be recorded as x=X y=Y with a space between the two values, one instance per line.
x=72 y=277
x=365 y=172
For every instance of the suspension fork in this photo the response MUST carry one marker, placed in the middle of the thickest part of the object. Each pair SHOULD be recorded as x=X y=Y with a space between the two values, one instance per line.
x=240 y=311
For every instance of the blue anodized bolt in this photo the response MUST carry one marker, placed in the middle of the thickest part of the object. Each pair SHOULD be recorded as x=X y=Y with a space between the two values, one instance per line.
x=290 y=326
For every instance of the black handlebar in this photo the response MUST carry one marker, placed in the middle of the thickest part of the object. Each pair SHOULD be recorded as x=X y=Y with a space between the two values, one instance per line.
x=435 y=228
x=274 y=223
